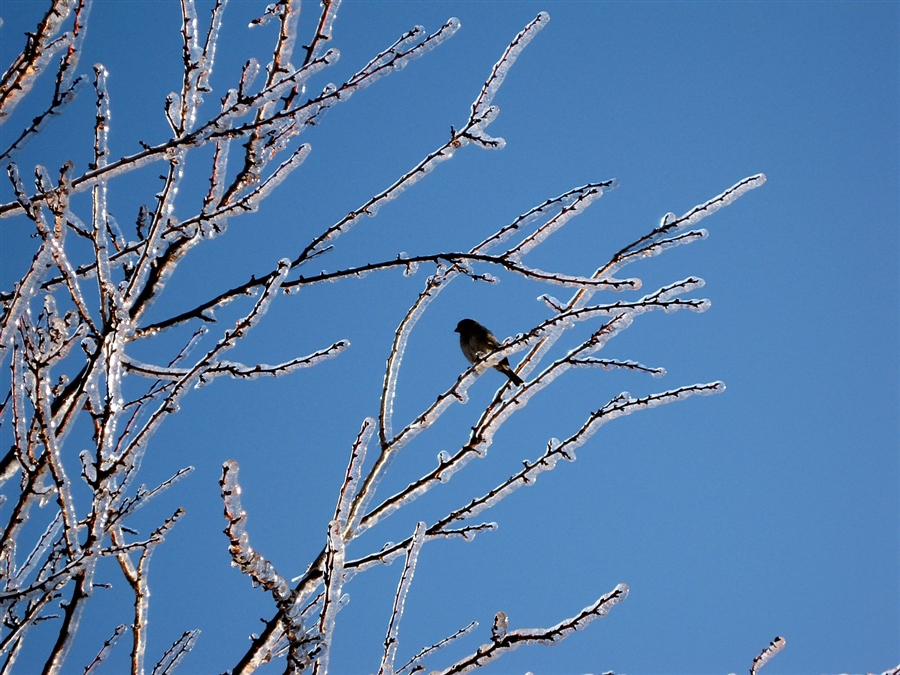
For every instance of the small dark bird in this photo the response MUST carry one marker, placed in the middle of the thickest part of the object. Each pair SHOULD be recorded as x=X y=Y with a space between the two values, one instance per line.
x=477 y=342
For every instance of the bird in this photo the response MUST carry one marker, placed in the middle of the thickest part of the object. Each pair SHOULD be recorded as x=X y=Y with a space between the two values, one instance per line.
x=477 y=342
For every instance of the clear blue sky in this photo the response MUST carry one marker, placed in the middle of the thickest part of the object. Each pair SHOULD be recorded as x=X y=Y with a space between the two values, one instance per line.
x=772 y=509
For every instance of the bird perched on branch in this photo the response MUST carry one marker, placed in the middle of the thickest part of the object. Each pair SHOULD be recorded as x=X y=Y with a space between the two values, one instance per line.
x=477 y=342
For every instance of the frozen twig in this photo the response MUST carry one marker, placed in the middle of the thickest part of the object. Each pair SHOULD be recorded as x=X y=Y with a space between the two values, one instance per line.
x=413 y=663
x=391 y=641
x=174 y=654
x=247 y=560
x=774 y=647
x=105 y=649
x=545 y=636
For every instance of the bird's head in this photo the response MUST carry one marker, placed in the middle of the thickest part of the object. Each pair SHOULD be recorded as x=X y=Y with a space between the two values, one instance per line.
x=465 y=325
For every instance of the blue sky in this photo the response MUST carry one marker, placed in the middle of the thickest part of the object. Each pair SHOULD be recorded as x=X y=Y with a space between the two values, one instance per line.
x=772 y=509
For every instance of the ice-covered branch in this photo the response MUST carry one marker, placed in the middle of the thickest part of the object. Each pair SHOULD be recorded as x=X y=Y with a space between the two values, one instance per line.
x=142 y=495
x=174 y=654
x=54 y=459
x=350 y=485
x=613 y=364
x=333 y=579
x=136 y=576
x=409 y=264
x=622 y=314
x=247 y=560
x=670 y=222
x=236 y=370
x=501 y=68
x=323 y=29
x=392 y=551
x=40 y=48
x=503 y=260
x=621 y=405
x=220 y=128
x=66 y=84
x=650 y=244
x=473 y=130
x=762 y=658
x=413 y=663
x=228 y=341
x=543 y=636
x=391 y=641
x=105 y=649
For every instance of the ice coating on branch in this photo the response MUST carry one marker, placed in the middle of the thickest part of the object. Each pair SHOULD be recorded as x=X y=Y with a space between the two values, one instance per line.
x=551 y=302
x=208 y=55
x=189 y=27
x=46 y=50
x=738 y=189
x=248 y=76
x=328 y=17
x=142 y=495
x=174 y=655
x=391 y=641
x=392 y=373
x=415 y=661
x=563 y=201
x=501 y=68
x=51 y=443
x=173 y=111
x=270 y=11
x=239 y=370
x=655 y=248
x=508 y=641
x=667 y=296
x=42 y=180
x=170 y=404
x=354 y=472
x=601 y=283
x=774 y=647
x=251 y=563
x=612 y=364
x=251 y=201
x=397 y=56
x=246 y=103
x=576 y=207
x=23 y=292
x=37 y=553
x=488 y=115
x=623 y=404
x=385 y=57
x=106 y=649
x=332 y=600
x=650 y=244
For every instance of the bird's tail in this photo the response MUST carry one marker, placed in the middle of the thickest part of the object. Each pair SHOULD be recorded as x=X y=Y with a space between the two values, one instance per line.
x=508 y=371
